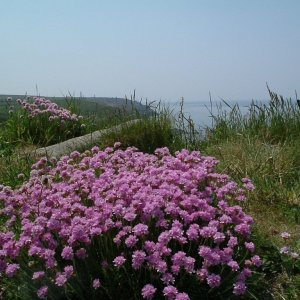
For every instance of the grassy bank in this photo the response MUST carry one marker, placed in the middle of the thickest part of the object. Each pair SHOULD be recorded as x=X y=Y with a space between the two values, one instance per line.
x=263 y=145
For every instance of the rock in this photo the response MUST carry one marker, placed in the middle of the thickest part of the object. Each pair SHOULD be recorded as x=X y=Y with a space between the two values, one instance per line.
x=70 y=145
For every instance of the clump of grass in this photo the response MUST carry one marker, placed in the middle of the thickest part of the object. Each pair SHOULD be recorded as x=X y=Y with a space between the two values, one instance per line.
x=15 y=168
x=160 y=127
x=147 y=134
x=276 y=121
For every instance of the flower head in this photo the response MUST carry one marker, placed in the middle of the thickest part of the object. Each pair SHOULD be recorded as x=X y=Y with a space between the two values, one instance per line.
x=96 y=283
x=148 y=291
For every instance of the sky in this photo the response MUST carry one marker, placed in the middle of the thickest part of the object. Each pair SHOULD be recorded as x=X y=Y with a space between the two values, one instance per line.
x=163 y=49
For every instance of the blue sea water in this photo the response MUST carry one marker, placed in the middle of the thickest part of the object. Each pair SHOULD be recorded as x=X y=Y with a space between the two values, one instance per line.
x=201 y=112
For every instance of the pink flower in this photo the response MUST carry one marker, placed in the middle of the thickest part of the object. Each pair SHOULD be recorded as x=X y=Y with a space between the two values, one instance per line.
x=119 y=261
x=81 y=253
x=239 y=288
x=256 y=260
x=140 y=229
x=250 y=247
x=245 y=274
x=233 y=241
x=170 y=292
x=96 y=283
x=285 y=250
x=219 y=237
x=285 y=235
x=68 y=271
x=193 y=232
x=248 y=184
x=138 y=258
x=148 y=291
x=38 y=275
x=182 y=296
x=233 y=265
x=61 y=279
x=243 y=229
x=131 y=241
x=189 y=264
x=67 y=253
x=153 y=208
x=168 y=278
x=202 y=274
x=42 y=292
x=213 y=280
x=12 y=269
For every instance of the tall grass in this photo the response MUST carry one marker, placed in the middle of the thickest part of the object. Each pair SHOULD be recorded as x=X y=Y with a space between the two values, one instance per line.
x=264 y=145
x=276 y=121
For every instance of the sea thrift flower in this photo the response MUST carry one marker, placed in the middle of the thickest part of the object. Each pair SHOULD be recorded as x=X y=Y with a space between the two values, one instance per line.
x=202 y=274
x=193 y=232
x=285 y=250
x=96 y=283
x=239 y=288
x=233 y=241
x=233 y=265
x=38 y=275
x=41 y=106
x=250 y=247
x=213 y=280
x=138 y=257
x=170 y=292
x=148 y=291
x=12 y=269
x=119 y=261
x=256 y=260
x=104 y=264
x=67 y=253
x=168 y=278
x=182 y=296
x=68 y=271
x=151 y=209
x=248 y=184
x=285 y=235
x=61 y=279
x=246 y=273
x=131 y=241
x=42 y=292
x=140 y=229
x=219 y=237
x=81 y=253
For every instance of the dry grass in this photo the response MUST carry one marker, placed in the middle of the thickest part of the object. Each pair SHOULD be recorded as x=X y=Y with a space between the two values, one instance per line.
x=275 y=172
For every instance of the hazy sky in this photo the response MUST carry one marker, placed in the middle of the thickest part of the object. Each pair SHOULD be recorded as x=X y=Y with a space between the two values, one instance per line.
x=163 y=49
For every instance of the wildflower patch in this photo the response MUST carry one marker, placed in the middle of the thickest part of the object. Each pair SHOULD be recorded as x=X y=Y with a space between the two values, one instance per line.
x=124 y=224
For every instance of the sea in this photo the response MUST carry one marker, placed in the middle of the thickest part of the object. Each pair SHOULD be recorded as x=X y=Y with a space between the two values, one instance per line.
x=202 y=112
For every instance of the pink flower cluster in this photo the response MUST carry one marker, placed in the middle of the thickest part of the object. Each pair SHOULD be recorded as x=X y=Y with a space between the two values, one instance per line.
x=173 y=215
x=41 y=106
